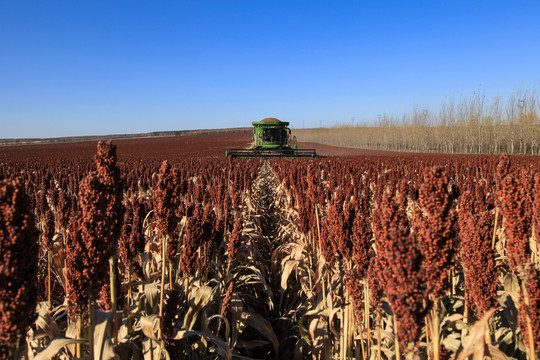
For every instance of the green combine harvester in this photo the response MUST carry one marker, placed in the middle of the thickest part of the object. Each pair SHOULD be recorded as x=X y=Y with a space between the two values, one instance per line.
x=272 y=138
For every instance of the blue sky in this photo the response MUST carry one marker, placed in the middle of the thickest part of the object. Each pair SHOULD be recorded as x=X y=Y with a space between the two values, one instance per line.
x=103 y=67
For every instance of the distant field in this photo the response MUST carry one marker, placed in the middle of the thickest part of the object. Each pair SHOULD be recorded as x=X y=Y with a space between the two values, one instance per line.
x=69 y=139
x=212 y=144
x=149 y=148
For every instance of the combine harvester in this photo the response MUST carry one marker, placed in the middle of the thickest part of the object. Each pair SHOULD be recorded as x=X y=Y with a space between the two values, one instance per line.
x=272 y=138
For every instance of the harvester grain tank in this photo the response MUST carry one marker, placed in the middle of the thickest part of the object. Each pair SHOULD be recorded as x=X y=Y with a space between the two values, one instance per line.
x=272 y=138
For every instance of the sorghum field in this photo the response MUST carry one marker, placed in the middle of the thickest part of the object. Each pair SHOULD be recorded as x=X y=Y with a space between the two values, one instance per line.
x=161 y=248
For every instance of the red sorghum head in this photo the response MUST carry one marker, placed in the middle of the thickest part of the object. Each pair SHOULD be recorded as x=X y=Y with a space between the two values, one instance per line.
x=166 y=200
x=503 y=167
x=18 y=265
x=536 y=208
x=226 y=302
x=132 y=238
x=436 y=229
x=235 y=239
x=400 y=263
x=477 y=258
x=95 y=231
x=361 y=235
x=375 y=279
x=387 y=214
x=404 y=285
x=502 y=170
x=335 y=227
x=75 y=269
x=516 y=224
x=64 y=209
x=109 y=172
x=100 y=200
x=210 y=233
x=48 y=229
x=192 y=240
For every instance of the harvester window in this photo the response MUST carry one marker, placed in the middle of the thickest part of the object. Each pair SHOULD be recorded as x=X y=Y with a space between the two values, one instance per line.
x=272 y=136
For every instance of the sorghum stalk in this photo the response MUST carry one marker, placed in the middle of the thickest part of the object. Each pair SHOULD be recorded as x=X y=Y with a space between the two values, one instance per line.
x=48 y=234
x=112 y=267
x=326 y=299
x=91 y=325
x=170 y=312
x=435 y=323
x=379 y=337
x=366 y=315
x=80 y=334
x=163 y=268
x=398 y=350
x=495 y=229
x=529 y=308
x=49 y=282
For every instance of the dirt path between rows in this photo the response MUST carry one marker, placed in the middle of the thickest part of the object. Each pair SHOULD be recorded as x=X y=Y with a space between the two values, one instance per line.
x=270 y=240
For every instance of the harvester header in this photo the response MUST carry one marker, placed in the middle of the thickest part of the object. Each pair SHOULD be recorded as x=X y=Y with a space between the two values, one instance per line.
x=272 y=138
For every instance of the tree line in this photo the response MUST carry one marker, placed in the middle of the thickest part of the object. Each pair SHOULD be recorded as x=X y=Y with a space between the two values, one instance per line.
x=474 y=125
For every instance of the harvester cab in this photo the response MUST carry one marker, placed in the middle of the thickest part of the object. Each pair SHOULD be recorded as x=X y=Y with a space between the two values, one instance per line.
x=272 y=138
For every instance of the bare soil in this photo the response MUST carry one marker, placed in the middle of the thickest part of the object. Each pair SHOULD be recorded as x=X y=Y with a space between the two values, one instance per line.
x=155 y=148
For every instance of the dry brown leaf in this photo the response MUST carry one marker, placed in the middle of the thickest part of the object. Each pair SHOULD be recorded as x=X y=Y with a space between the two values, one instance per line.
x=152 y=350
x=236 y=308
x=264 y=327
x=55 y=346
x=288 y=268
x=474 y=342
x=45 y=325
x=223 y=319
x=198 y=299
x=103 y=345
x=71 y=332
x=150 y=325
x=450 y=320
x=497 y=354
x=222 y=348
x=150 y=297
